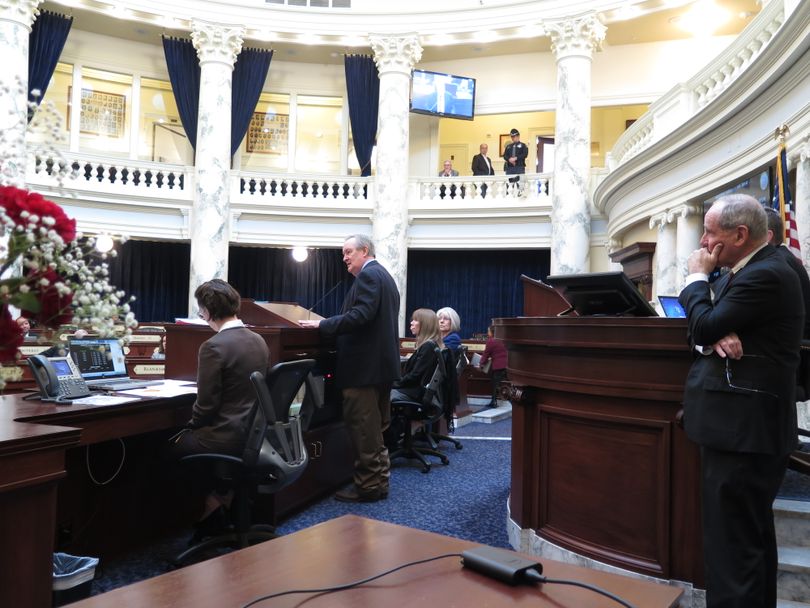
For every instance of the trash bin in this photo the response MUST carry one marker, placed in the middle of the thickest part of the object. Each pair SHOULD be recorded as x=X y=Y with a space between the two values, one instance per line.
x=72 y=577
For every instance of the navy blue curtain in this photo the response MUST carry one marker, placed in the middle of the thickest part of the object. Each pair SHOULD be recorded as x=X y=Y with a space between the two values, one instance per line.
x=363 y=90
x=45 y=44
x=184 y=74
x=270 y=274
x=478 y=285
x=249 y=75
x=157 y=274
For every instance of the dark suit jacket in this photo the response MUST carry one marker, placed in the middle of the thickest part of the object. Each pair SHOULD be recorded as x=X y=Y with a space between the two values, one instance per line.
x=804 y=282
x=225 y=395
x=480 y=166
x=520 y=151
x=762 y=304
x=366 y=332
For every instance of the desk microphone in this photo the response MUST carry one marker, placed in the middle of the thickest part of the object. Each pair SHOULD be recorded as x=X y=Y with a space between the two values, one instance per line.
x=324 y=296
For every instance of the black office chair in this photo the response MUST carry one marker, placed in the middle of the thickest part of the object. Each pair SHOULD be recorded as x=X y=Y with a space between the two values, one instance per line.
x=427 y=411
x=274 y=456
x=454 y=364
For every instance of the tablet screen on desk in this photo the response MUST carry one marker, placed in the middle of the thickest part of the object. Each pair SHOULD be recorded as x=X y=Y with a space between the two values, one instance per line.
x=672 y=308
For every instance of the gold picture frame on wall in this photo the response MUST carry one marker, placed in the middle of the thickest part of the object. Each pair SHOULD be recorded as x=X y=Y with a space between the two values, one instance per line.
x=503 y=141
x=267 y=133
x=102 y=113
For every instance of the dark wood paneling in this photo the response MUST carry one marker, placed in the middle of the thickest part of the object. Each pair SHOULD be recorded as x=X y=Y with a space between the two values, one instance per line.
x=593 y=451
x=599 y=464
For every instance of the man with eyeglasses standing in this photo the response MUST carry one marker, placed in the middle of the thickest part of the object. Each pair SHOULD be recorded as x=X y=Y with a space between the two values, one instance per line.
x=739 y=399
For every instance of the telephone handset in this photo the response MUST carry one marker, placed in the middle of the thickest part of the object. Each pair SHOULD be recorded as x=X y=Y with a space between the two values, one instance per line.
x=58 y=378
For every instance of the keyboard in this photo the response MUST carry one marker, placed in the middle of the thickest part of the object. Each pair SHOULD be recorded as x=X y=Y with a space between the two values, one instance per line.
x=124 y=385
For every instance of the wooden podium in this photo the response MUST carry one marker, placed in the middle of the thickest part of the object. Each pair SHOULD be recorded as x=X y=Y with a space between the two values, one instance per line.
x=600 y=464
x=330 y=454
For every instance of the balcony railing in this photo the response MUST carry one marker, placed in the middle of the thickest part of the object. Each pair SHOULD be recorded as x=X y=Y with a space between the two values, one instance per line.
x=92 y=173
x=684 y=101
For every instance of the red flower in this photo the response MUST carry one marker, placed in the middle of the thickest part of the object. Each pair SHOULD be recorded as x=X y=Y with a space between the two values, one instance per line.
x=16 y=201
x=11 y=336
x=55 y=308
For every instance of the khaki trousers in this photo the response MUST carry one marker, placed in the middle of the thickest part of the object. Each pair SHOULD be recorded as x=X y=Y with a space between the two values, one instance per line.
x=367 y=413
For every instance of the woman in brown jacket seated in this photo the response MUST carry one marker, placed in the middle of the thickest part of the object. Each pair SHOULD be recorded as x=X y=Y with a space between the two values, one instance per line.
x=225 y=396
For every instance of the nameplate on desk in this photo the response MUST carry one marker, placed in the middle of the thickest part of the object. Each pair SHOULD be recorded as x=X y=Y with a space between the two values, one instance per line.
x=475 y=347
x=407 y=345
x=151 y=369
x=11 y=373
x=152 y=338
x=33 y=350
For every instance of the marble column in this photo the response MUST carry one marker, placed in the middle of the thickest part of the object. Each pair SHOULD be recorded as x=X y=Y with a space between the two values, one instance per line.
x=395 y=56
x=217 y=47
x=16 y=19
x=801 y=198
x=689 y=229
x=666 y=268
x=573 y=42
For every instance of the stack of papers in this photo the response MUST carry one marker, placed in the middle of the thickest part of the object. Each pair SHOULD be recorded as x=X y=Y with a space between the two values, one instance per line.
x=167 y=388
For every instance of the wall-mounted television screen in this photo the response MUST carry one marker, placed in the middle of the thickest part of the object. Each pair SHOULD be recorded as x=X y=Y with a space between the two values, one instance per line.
x=442 y=95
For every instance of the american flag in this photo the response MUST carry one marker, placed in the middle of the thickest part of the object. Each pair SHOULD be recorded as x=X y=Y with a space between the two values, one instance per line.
x=783 y=202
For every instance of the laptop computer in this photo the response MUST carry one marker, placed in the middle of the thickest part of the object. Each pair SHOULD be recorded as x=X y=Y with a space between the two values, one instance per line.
x=672 y=308
x=101 y=363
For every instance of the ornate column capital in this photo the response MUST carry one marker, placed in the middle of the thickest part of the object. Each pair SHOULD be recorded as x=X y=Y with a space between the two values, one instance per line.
x=803 y=149
x=23 y=12
x=613 y=244
x=660 y=220
x=395 y=53
x=685 y=211
x=217 y=43
x=577 y=36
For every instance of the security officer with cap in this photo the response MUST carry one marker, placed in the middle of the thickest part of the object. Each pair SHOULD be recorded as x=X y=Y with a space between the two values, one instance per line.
x=514 y=156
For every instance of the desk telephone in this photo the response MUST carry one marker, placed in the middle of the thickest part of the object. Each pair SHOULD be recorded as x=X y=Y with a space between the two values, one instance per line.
x=58 y=378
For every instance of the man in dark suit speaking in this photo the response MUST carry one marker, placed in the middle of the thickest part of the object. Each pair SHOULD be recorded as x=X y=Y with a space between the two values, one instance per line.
x=739 y=399
x=367 y=338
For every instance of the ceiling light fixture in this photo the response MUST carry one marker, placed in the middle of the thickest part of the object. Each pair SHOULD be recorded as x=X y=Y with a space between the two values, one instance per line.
x=702 y=19
x=300 y=254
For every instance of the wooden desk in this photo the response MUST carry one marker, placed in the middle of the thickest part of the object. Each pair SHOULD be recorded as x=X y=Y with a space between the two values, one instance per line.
x=350 y=548
x=34 y=441
x=600 y=465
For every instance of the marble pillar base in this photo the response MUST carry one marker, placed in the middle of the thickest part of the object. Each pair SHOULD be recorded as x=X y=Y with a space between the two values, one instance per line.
x=527 y=541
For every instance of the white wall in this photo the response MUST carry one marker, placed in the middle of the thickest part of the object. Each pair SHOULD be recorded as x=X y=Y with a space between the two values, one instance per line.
x=636 y=73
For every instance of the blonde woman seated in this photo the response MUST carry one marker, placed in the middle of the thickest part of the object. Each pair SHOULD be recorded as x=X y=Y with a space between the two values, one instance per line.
x=420 y=365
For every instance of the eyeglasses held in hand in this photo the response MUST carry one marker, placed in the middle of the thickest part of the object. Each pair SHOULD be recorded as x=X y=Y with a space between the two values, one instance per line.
x=744 y=389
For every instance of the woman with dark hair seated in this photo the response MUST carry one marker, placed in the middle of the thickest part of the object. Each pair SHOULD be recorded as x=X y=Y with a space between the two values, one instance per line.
x=225 y=395
x=420 y=365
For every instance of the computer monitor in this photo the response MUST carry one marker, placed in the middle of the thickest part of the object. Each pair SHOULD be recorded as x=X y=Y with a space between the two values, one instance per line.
x=601 y=293
x=98 y=358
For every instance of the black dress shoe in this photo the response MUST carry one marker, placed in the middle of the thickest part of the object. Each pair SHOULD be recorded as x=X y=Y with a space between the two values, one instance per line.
x=214 y=524
x=354 y=494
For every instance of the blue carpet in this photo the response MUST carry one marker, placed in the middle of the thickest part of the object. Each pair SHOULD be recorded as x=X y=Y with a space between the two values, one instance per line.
x=465 y=499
